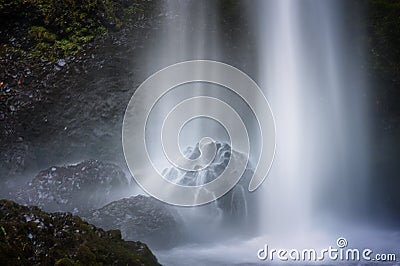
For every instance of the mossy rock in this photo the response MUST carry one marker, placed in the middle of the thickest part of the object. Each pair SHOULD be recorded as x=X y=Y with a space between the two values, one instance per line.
x=65 y=25
x=29 y=236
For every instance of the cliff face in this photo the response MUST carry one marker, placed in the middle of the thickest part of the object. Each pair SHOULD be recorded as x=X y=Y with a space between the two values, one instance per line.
x=383 y=69
x=29 y=236
x=67 y=70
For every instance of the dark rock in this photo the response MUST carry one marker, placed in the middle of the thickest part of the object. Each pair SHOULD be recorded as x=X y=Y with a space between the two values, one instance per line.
x=29 y=236
x=141 y=218
x=75 y=188
x=46 y=85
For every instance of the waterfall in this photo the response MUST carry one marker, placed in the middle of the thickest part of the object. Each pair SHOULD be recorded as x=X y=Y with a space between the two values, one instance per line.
x=317 y=94
x=312 y=79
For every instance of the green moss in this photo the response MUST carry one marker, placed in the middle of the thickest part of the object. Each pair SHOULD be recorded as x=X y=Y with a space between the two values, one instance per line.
x=66 y=25
x=66 y=46
x=35 y=237
x=4 y=231
x=64 y=262
x=85 y=256
x=41 y=34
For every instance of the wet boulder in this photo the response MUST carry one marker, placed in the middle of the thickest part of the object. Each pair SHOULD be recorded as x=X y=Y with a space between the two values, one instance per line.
x=75 y=188
x=141 y=218
x=238 y=208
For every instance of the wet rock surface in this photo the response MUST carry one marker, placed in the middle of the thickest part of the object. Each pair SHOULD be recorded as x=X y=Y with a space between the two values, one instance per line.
x=69 y=108
x=94 y=190
x=75 y=188
x=208 y=174
x=238 y=207
x=29 y=236
x=141 y=218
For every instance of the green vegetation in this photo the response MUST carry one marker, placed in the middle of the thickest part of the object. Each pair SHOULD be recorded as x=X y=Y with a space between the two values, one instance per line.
x=53 y=29
x=30 y=236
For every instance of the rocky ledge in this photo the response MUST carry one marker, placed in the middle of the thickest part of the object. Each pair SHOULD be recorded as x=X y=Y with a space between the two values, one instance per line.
x=29 y=236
